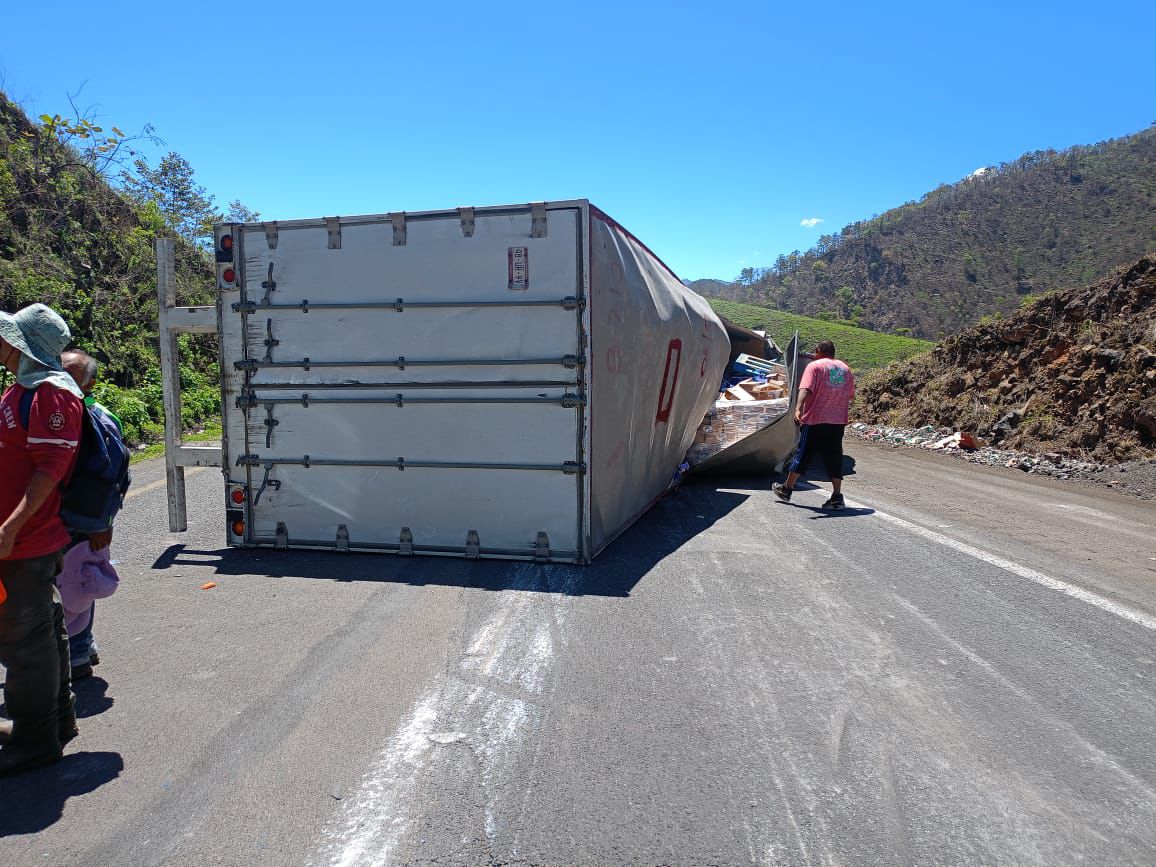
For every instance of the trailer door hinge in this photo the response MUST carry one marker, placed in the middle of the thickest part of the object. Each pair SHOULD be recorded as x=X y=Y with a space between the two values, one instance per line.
x=542 y=548
x=467 y=217
x=248 y=365
x=573 y=468
x=333 y=227
x=405 y=545
x=473 y=545
x=282 y=538
x=249 y=461
x=571 y=302
x=342 y=537
x=245 y=307
x=538 y=220
x=271 y=235
x=571 y=361
x=572 y=401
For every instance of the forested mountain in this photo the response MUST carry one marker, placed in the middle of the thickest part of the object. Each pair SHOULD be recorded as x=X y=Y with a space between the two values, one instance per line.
x=929 y=268
x=710 y=288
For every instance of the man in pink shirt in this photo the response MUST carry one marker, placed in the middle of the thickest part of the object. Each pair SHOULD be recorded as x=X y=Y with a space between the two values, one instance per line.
x=825 y=395
x=40 y=427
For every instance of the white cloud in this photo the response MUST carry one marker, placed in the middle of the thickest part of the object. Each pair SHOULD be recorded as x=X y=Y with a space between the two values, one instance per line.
x=811 y=222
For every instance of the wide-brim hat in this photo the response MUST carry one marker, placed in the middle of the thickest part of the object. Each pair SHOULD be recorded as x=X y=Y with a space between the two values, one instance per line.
x=38 y=332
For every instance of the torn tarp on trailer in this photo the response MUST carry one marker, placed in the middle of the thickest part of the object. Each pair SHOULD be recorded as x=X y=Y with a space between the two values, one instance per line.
x=658 y=352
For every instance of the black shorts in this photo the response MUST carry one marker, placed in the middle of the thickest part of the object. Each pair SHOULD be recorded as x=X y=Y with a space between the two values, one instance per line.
x=824 y=440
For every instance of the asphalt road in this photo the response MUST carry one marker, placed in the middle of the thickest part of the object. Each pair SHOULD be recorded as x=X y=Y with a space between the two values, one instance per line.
x=960 y=669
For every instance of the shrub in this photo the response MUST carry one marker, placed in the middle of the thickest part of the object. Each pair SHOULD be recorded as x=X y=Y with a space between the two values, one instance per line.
x=129 y=407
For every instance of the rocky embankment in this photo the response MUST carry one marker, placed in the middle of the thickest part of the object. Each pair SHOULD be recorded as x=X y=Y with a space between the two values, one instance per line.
x=1069 y=381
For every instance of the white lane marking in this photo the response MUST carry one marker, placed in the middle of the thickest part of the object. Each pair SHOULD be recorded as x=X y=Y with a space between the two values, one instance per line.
x=1098 y=755
x=152 y=486
x=1104 y=604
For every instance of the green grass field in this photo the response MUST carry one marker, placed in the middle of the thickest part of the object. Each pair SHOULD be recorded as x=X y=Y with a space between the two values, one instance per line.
x=860 y=348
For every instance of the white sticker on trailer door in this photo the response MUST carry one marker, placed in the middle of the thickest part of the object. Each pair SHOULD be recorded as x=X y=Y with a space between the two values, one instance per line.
x=519 y=258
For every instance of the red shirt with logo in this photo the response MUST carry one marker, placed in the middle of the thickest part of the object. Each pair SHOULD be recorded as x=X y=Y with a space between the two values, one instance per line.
x=48 y=446
x=832 y=387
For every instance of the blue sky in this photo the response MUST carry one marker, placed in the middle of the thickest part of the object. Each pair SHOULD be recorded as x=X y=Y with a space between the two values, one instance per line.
x=711 y=131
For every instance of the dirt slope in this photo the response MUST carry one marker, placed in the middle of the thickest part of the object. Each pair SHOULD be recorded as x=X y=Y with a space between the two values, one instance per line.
x=1074 y=372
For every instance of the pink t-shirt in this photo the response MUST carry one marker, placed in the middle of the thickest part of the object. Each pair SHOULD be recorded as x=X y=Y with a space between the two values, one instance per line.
x=832 y=386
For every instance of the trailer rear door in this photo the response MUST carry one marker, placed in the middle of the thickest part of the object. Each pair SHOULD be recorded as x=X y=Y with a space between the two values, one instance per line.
x=408 y=382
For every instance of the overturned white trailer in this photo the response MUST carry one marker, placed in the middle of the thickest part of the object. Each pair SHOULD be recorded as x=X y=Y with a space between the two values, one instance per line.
x=514 y=382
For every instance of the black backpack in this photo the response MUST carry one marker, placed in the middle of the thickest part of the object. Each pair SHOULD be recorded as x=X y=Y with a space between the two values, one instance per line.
x=90 y=499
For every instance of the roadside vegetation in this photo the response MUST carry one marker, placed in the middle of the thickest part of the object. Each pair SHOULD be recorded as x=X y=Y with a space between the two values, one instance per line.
x=80 y=211
x=860 y=348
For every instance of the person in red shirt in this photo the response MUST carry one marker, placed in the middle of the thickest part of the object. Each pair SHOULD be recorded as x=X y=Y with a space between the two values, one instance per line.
x=35 y=457
x=825 y=394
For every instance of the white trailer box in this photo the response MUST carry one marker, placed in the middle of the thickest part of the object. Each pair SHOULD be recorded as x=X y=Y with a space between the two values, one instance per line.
x=514 y=382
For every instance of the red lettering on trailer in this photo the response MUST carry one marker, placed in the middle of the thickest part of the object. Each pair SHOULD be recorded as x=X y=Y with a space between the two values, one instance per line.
x=665 y=397
x=614 y=359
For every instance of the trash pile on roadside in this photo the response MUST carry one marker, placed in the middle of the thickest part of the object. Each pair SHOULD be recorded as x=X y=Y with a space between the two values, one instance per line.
x=753 y=394
x=971 y=448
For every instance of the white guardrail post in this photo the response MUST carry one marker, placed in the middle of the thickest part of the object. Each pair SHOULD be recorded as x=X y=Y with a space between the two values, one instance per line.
x=173 y=321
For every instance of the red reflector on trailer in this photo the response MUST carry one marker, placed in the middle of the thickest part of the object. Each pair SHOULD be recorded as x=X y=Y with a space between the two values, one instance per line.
x=226 y=242
x=238 y=528
x=229 y=275
x=238 y=496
